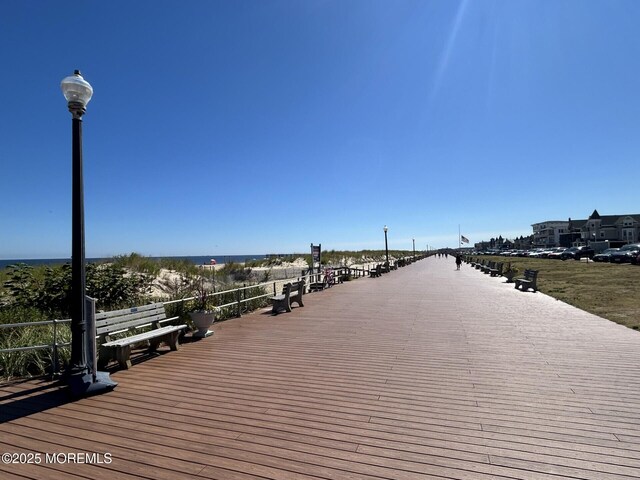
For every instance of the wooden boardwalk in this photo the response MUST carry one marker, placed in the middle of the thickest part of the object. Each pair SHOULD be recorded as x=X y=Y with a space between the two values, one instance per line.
x=426 y=372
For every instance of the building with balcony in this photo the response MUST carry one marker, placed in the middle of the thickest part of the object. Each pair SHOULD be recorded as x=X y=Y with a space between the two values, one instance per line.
x=548 y=234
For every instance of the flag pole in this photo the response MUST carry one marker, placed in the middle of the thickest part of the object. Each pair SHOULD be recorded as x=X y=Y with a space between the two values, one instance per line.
x=459 y=239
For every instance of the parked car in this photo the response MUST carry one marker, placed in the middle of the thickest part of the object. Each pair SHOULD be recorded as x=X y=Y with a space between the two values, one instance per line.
x=556 y=252
x=627 y=254
x=604 y=256
x=576 y=253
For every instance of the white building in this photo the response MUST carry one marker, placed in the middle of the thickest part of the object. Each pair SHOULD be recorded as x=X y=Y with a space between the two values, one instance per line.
x=547 y=234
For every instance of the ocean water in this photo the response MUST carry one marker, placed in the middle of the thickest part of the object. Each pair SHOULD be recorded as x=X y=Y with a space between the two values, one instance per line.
x=197 y=260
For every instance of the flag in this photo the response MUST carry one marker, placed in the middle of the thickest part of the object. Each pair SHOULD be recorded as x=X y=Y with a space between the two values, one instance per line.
x=464 y=239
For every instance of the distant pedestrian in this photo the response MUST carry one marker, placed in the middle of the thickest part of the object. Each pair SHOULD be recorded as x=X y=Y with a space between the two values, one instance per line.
x=458 y=261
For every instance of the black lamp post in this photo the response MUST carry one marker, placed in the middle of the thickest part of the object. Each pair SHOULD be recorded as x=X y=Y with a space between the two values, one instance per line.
x=83 y=379
x=386 y=245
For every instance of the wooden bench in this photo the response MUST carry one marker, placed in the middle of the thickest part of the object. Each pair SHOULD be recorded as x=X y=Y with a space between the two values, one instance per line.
x=496 y=271
x=130 y=320
x=291 y=292
x=375 y=272
x=529 y=281
x=479 y=265
x=487 y=268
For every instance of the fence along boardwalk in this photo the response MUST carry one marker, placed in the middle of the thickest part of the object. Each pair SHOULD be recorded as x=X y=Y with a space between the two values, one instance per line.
x=423 y=373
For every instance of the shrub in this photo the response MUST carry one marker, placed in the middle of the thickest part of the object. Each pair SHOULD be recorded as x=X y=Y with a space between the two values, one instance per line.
x=48 y=289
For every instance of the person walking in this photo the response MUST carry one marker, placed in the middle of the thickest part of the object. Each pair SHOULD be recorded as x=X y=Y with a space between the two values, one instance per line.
x=458 y=261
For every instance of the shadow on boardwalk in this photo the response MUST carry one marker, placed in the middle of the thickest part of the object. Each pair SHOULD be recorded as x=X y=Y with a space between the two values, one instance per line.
x=26 y=397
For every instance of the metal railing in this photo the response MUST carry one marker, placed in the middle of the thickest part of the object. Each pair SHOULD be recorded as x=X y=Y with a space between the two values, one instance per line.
x=240 y=298
x=271 y=288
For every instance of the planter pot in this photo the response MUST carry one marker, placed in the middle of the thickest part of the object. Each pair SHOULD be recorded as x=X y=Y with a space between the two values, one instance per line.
x=202 y=321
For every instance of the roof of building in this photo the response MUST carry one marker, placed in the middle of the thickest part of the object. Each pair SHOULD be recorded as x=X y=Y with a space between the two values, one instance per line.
x=611 y=220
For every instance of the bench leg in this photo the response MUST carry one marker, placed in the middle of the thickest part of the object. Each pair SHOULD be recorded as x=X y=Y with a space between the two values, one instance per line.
x=172 y=341
x=297 y=299
x=123 y=355
x=154 y=343
x=279 y=305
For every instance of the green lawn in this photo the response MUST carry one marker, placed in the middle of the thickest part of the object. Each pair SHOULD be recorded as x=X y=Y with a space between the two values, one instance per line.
x=610 y=291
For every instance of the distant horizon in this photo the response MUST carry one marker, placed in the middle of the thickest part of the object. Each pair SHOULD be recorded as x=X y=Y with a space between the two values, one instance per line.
x=4 y=259
x=449 y=241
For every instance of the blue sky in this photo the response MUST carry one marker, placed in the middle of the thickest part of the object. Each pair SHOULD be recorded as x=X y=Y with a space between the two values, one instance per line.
x=246 y=127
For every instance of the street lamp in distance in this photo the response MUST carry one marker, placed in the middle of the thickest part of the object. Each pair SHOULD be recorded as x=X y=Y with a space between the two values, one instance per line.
x=386 y=245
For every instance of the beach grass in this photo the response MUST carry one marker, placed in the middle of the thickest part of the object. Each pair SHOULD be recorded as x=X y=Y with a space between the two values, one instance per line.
x=609 y=290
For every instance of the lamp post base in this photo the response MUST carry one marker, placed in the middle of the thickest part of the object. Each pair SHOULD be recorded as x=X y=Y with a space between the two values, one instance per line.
x=84 y=385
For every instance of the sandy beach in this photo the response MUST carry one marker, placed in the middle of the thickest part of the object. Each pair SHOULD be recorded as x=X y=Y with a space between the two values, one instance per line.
x=274 y=273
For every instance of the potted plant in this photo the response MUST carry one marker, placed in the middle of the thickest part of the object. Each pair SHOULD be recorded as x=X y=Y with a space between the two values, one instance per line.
x=510 y=272
x=203 y=314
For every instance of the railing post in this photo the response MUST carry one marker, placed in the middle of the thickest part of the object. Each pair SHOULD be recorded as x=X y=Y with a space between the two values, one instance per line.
x=54 y=360
x=238 y=295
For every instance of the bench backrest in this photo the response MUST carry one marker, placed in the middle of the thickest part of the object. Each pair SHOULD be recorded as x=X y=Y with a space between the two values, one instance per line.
x=291 y=287
x=122 y=320
x=530 y=274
